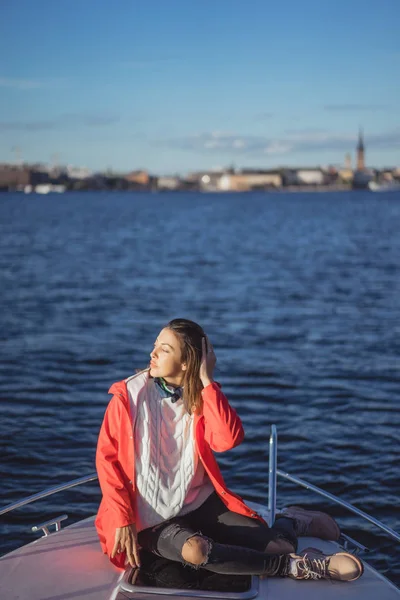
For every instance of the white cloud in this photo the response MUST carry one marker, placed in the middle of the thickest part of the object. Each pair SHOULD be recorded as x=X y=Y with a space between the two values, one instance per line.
x=301 y=141
x=278 y=148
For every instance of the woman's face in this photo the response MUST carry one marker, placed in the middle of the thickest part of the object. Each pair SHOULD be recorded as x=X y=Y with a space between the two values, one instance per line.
x=166 y=358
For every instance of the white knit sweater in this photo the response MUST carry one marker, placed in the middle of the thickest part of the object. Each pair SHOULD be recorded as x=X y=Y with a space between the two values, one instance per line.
x=170 y=478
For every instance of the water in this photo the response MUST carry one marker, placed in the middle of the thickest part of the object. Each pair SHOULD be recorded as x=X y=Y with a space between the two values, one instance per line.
x=299 y=293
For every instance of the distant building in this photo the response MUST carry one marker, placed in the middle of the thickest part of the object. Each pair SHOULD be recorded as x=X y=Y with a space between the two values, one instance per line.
x=362 y=176
x=78 y=172
x=360 y=152
x=304 y=176
x=42 y=168
x=209 y=182
x=205 y=181
x=387 y=174
x=310 y=176
x=249 y=180
x=140 y=178
x=346 y=175
x=331 y=175
x=168 y=183
x=195 y=176
x=13 y=177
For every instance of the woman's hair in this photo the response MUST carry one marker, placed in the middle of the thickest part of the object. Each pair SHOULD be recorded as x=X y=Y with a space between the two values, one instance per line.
x=190 y=336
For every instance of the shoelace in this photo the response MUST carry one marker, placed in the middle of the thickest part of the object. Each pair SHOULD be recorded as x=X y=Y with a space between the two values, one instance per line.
x=313 y=568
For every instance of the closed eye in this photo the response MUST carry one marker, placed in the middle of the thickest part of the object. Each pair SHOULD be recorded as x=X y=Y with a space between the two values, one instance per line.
x=163 y=349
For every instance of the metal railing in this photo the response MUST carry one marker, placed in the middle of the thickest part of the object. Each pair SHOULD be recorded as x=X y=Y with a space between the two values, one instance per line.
x=49 y=492
x=45 y=526
x=272 y=487
x=343 y=503
x=272 y=471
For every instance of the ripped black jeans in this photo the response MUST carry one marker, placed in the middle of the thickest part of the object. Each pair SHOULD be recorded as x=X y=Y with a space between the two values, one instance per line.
x=237 y=543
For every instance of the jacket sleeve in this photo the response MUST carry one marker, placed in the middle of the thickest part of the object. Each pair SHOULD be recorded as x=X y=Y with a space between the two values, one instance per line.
x=223 y=428
x=111 y=477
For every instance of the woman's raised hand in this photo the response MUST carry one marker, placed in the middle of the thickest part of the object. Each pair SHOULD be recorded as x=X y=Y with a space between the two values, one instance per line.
x=208 y=362
x=126 y=541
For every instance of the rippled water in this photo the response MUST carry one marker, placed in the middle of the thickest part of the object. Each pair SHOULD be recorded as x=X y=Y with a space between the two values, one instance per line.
x=299 y=293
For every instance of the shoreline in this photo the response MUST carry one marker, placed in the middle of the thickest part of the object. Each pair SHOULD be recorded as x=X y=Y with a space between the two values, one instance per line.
x=293 y=189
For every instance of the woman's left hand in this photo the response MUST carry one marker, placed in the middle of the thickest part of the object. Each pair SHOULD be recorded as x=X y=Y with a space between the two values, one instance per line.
x=208 y=362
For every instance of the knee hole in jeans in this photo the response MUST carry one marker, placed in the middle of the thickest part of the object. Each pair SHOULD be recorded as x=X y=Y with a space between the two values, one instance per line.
x=195 y=550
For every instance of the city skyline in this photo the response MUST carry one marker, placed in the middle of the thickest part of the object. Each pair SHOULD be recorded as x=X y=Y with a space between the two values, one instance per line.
x=172 y=87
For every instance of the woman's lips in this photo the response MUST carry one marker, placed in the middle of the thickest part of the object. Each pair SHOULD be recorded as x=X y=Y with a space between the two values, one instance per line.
x=152 y=364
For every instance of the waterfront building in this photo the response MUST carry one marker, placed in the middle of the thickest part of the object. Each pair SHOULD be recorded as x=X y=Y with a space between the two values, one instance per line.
x=140 y=178
x=362 y=176
x=78 y=172
x=360 y=152
x=249 y=179
x=205 y=181
x=14 y=177
x=387 y=174
x=346 y=175
x=303 y=176
x=168 y=183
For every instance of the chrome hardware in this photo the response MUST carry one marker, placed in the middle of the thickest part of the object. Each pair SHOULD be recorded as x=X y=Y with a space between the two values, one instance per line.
x=45 y=526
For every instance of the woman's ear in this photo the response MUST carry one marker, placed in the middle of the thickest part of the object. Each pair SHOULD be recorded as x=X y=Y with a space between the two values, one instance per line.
x=184 y=366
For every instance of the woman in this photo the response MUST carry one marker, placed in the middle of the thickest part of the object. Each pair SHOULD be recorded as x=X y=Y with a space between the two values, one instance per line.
x=163 y=490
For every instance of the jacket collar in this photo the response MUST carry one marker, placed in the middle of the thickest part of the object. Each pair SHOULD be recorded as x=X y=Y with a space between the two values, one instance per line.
x=167 y=391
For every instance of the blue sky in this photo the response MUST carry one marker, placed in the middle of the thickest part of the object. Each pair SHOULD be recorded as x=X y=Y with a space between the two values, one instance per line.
x=178 y=85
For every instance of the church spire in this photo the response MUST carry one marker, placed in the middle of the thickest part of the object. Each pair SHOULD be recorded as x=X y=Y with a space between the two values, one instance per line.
x=360 y=151
x=360 y=147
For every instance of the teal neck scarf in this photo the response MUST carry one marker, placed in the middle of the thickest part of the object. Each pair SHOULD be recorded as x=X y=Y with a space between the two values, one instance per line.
x=175 y=393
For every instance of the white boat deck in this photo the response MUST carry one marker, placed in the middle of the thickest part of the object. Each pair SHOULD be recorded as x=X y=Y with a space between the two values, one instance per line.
x=69 y=565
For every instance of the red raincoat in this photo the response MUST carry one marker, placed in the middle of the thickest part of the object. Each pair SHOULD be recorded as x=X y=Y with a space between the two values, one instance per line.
x=217 y=428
